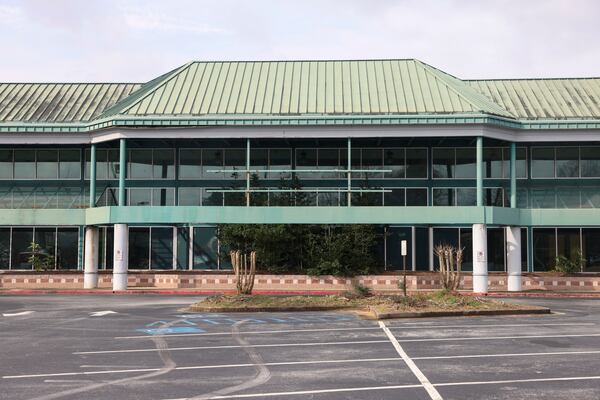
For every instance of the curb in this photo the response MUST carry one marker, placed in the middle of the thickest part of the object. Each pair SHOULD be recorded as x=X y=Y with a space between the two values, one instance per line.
x=468 y=313
x=100 y=292
x=269 y=309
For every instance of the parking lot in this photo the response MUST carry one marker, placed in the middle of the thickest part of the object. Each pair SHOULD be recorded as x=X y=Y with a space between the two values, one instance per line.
x=143 y=347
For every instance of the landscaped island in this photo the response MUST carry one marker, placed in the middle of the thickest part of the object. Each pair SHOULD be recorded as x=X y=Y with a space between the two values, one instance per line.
x=439 y=303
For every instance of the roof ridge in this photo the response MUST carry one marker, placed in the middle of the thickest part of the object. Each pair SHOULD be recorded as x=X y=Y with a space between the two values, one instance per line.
x=533 y=79
x=304 y=60
x=473 y=97
x=72 y=83
x=141 y=93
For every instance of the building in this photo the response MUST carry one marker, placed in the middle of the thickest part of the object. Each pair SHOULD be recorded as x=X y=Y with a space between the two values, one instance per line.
x=508 y=169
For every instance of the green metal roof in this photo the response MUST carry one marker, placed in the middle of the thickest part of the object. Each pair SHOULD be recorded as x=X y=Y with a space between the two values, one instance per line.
x=306 y=87
x=59 y=102
x=544 y=98
x=352 y=92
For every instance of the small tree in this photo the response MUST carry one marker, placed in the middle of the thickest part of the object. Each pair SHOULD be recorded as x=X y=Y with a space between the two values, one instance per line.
x=39 y=259
x=244 y=271
x=450 y=259
x=569 y=265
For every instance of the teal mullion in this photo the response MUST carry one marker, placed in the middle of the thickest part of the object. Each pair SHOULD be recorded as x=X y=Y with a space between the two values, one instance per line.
x=479 y=166
x=529 y=249
x=513 y=175
x=80 y=248
x=122 y=170
x=93 y=175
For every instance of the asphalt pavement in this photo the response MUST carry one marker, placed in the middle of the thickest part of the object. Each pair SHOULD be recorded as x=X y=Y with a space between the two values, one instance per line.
x=147 y=347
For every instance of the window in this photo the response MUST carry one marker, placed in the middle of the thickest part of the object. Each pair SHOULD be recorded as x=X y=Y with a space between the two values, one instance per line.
x=493 y=163
x=542 y=162
x=590 y=162
x=443 y=162
x=372 y=159
x=416 y=163
x=47 y=164
x=235 y=159
x=161 y=248
x=590 y=249
x=466 y=197
x=140 y=164
x=4 y=248
x=139 y=248
x=190 y=163
x=328 y=159
x=396 y=197
x=567 y=162
x=211 y=198
x=280 y=159
x=190 y=196
x=69 y=163
x=6 y=164
x=466 y=163
x=206 y=249
x=24 y=164
x=394 y=159
x=67 y=246
x=544 y=248
x=20 y=246
x=416 y=197
x=443 y=197
x=212 y=159
x=163 y=163
x=259 y=159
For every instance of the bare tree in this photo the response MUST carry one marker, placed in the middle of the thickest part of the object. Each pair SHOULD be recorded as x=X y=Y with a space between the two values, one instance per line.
x=244 y=271
x=450 y=259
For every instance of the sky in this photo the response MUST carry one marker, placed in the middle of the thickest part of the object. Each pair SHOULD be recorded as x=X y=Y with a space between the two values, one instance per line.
x=137 y=40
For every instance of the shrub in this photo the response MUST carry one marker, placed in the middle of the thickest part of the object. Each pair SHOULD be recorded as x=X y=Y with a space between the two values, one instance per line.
x=568 y=265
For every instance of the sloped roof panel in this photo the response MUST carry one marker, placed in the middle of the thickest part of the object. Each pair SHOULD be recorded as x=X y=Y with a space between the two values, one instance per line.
x=59 y=102
x=544 y=98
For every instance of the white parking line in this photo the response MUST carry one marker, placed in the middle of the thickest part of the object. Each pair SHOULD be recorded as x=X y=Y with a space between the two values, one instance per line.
x=555 y=353
x=433 y=393
x=235 y=347
x=18 y=314
x=411 y=326
x=459 y=339
x=194 y=367
x=373 y=388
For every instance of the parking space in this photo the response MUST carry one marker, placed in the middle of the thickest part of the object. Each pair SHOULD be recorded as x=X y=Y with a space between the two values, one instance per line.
x=132 y=347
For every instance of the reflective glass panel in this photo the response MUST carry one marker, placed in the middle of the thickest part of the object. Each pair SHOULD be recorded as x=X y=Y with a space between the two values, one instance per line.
x=394 y=198
x=20 y=248
x=590 y=162
x=212 y=159
x=161 y=248
x=190 y=164
x=47 y=164
x=466 y=163
x=416 y=197
x=544 y=248
x=69 y=164
x=4 y=248
x=416 y=163
x=542 y=162
x=6 y=164
x=567 y=162
x=163 y=163
x=443 y=162
x=67 y=243
x=394 y=159
x=24 y=164
x=140 y=164
x=139 y=248
x=493 y=164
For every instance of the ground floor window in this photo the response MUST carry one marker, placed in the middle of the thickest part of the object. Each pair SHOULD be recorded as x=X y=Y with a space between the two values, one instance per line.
x=549 y=243
x=56 y=244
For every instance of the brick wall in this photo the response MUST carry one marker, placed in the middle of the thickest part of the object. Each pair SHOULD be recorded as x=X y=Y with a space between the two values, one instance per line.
x=219 y=281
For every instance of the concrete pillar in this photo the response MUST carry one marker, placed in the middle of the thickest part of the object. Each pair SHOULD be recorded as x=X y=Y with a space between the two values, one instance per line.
x=90 y=271
x=513 y=258
x=479 y=172
x=121 y=257
x=480 y=267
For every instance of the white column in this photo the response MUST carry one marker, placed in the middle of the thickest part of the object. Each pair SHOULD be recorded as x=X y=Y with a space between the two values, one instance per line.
x=513 y=258
x=480 y=267
x=121 y=256
x=90 y=268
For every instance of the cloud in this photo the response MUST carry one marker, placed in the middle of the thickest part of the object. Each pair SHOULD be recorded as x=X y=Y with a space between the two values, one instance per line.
x=10 y=15
x=154 y=20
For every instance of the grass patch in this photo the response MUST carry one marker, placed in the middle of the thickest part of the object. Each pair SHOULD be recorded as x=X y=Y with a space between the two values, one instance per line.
x=425 y=302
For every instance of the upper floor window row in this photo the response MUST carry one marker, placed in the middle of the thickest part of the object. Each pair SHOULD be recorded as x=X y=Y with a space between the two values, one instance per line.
x=565 y=162
x=40 y=164
x=461 y=162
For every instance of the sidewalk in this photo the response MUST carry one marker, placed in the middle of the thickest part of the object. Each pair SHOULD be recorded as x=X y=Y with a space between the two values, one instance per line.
x=198 y=292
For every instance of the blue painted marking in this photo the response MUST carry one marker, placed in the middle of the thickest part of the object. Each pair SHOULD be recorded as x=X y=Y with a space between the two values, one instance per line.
x=167 y=331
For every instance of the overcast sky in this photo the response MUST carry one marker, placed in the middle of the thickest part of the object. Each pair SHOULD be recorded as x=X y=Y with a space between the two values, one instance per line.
x=112 y=40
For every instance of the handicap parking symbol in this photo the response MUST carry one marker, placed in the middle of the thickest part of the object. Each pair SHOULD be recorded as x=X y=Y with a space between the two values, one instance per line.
x=171 y=330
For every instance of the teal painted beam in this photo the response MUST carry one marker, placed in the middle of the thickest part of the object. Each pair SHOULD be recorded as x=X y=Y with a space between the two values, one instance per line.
x=479 y=166
x=122 y=170
x=423 y=216
x=93 y=176
x=513 y=175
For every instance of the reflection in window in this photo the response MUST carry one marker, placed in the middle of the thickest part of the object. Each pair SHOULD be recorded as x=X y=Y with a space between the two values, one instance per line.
x=190 y=164
x=416 y=163
x=542 y=162
x=466 y=163
x=567 y=162
x=24 y=164
x=443 y=162
x=544 y=248
x=590 y=162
